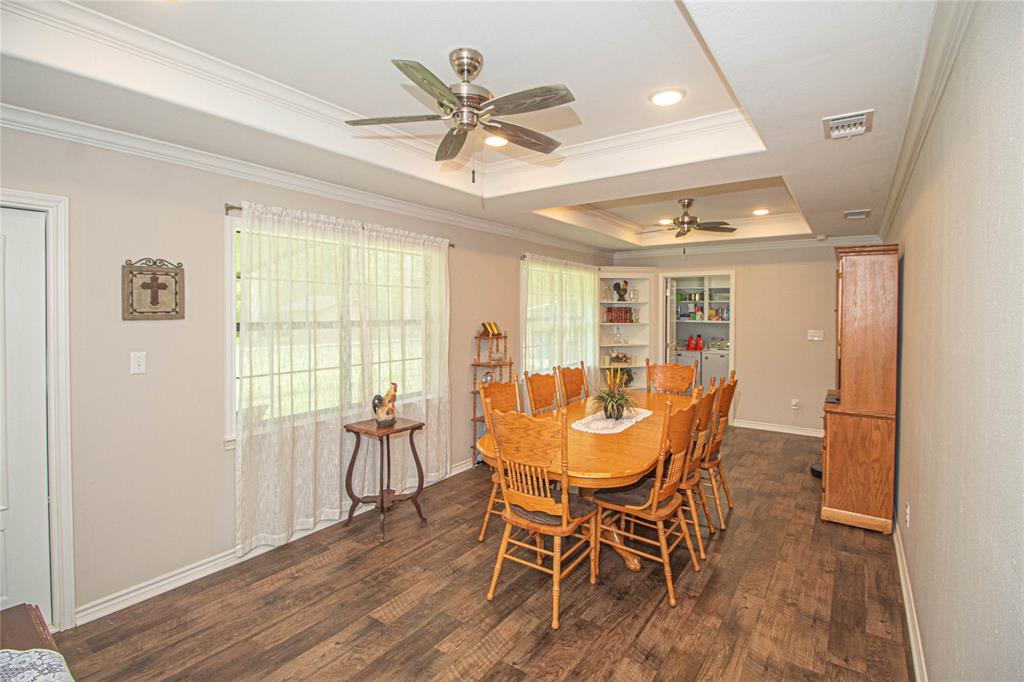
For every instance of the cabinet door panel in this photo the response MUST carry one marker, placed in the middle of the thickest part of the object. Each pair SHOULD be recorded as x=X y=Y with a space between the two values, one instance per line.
x=860 y=465
x=868 y=324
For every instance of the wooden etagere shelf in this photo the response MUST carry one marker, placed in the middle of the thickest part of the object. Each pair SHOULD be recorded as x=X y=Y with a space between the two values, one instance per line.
x=491 y=363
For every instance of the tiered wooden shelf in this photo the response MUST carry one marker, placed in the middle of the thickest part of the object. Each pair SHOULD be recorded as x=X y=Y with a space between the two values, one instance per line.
x=491 y=359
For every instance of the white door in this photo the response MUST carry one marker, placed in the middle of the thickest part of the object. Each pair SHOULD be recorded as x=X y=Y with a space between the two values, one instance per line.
x=670 y=320
x=24 y=510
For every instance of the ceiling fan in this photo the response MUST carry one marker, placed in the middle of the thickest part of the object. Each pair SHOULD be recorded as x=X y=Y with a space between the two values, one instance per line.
x=470 y=105
x=686 y=222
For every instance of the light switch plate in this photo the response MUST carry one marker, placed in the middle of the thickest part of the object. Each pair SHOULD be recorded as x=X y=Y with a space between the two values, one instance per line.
x=137 y=362
x=815 y=335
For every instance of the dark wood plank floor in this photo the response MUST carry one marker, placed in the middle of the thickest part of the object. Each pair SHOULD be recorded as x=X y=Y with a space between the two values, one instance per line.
x=782 y=595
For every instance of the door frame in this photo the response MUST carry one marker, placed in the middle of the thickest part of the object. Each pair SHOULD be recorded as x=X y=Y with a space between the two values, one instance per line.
x=665 y=275
x=58 y=397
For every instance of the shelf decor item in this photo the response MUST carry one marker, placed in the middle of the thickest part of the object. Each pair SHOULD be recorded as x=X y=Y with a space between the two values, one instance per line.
x=152 y=289
x=384 y=407
x=613 y=398
x=621 y=289
x=490 y=329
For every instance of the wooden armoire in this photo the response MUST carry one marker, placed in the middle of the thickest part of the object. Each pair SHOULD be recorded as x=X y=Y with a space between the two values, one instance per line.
x=860 y=413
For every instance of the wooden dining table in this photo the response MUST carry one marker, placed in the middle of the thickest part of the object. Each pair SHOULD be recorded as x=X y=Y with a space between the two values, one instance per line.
x=608 y=460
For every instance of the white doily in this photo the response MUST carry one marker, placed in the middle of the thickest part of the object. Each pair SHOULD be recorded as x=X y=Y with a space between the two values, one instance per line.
x=598 y=423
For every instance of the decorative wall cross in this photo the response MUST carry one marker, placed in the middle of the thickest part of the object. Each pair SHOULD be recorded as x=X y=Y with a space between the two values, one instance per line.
x=152 y=289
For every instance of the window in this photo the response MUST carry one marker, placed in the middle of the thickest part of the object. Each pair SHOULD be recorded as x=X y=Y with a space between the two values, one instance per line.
x=332 y=316
x=559 y=312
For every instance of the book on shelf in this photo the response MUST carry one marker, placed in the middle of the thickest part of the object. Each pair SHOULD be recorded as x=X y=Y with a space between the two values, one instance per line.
x=618 y=314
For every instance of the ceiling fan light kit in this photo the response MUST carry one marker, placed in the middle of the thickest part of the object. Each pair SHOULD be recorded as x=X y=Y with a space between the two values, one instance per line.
x=469 y=105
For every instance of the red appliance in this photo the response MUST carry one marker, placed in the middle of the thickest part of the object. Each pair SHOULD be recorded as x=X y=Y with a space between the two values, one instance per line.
x=700 y=343
x=691 y=344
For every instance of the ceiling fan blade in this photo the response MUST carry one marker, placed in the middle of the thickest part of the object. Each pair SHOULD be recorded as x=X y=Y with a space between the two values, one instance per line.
x=524 y=137
x=427 y=81
x=534 y=99
x=713 y=223
x=393 y=119
x=715 y=228
x=451 y=145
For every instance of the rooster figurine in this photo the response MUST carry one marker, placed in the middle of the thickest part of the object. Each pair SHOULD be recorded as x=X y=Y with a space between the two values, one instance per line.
x=384 y=406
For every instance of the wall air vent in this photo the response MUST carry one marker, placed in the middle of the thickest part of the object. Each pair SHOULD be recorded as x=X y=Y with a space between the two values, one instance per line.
x=859 y=214
x=848 y=125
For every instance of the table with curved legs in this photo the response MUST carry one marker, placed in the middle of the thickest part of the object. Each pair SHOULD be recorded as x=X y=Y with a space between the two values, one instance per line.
x=386 y=497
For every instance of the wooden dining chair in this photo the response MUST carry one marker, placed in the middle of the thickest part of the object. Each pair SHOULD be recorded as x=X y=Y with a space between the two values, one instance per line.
x=572 y=383
x=670 y=378
x=655 y=502
x=502 y=396
x=527 y=448
x=691 y=481
x=543 y=392
x=711 y=466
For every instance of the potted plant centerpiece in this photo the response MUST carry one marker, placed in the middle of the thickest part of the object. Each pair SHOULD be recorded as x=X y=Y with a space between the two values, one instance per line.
x=613 y=398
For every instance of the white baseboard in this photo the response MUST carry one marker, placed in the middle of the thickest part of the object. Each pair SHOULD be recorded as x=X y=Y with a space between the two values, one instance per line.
x=218 y=562
x=460 y=467
x=779 y=428
x=151 y=588
x=913 y=630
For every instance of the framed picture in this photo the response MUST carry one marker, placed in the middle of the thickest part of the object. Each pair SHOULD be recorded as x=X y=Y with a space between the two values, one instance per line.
x=152 y=289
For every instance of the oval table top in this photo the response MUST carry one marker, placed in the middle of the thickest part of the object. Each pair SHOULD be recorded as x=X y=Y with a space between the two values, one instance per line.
x=601 y=460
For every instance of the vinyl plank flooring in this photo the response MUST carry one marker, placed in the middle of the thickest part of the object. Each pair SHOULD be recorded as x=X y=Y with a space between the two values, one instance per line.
x=782 y=595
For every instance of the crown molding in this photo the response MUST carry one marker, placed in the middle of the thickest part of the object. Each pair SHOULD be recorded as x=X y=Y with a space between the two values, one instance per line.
x=731 y=246
x=25 y=120
x=646 y=140
x=948 y=28
x=89 y=24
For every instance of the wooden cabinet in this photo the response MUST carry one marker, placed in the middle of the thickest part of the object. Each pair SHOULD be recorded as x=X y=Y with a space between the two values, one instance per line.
x=860 y=415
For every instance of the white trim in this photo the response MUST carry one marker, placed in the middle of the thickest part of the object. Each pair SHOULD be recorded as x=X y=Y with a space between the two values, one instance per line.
x=779 y=428
x=38 y=123
x=913 y=629
x=948 y=28
x=58 y=397
x=733 y=246
x=204 y=567
x=460 y=467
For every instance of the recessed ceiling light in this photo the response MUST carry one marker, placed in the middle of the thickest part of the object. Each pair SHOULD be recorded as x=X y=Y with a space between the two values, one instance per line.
x=666 y=98
x=495 y=141
x=665 y=221
x=761 y=211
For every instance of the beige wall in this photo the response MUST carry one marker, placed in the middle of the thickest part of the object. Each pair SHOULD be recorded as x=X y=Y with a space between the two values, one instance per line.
x=779 y=296
x=960 y=225
x=151 y=494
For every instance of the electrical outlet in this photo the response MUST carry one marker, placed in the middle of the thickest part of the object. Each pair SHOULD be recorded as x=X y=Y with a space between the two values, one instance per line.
x=906 y=515
x=795 y=403
x=137 y=362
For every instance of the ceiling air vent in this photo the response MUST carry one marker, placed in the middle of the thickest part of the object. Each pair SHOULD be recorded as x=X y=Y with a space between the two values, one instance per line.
x=848 y=125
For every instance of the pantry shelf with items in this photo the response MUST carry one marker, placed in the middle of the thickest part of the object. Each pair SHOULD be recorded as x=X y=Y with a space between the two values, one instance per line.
x=626 y=321
x=698 y=321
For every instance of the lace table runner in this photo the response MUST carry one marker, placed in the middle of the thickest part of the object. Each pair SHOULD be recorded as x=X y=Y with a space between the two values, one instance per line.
x=598 y=423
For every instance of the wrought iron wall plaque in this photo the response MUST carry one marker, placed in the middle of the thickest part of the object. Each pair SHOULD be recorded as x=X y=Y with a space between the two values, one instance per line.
x=152 y=289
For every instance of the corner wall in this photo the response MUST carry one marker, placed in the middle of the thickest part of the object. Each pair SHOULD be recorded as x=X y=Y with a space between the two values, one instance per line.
x=961 y=228
x=780 y=295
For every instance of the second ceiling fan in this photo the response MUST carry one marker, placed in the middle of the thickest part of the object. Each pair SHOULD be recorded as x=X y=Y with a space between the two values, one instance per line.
x=470 y=105
x=687 y=223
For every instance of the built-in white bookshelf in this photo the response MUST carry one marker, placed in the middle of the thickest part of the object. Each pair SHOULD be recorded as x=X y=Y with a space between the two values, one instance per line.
x=700 y=305
x=626 y=323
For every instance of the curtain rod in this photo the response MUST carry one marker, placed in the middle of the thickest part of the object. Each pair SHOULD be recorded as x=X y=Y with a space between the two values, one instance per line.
x=228 y=208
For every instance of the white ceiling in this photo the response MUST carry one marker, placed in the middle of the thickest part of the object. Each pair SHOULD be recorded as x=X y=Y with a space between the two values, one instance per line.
x=271 y=82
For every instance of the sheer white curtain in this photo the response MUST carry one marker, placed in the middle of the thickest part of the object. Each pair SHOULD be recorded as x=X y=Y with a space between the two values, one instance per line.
x=331 y=311
x=559 y=305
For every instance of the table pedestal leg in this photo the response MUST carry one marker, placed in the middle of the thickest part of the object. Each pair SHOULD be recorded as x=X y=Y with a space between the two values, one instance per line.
x=419 y=479
x=381 y=499
x=632 y=561
x=354 y=500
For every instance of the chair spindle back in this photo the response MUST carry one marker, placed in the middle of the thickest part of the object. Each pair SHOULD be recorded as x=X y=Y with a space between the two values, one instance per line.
x=573 y=383
x=543 y=392
x=670 y=378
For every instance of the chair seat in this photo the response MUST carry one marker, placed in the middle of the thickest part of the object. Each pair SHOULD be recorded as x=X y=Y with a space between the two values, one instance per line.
x=712 y=462
x=636 y=495
x=578 y=506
